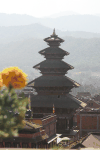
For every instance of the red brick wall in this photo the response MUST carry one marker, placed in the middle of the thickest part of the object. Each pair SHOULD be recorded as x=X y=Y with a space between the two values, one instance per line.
x=32 y=135
x=47 y=130
x=48 y=120
x=50 y=125
x=52 y=129
x=88 y=122
x=78 y=121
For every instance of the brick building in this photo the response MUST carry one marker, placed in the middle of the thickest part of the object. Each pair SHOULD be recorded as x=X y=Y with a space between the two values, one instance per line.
x=97 y=98
x=83 y=94
x=93 y=104
x=38 y=132
x=48 y=123
x=31 y=136
x=88 y=120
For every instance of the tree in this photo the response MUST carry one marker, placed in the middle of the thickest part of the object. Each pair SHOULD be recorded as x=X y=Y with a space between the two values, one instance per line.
x=12 y=109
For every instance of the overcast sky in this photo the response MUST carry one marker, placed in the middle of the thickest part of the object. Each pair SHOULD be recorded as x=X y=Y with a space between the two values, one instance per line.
x=42 y=8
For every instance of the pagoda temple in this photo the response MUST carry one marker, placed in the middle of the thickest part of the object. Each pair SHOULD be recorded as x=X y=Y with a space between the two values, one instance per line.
x=53 y=87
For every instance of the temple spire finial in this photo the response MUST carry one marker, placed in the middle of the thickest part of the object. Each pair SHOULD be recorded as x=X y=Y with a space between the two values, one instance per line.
x=54 y=32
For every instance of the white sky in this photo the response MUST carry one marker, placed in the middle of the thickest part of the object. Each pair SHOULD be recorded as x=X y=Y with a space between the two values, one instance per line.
x=41 y=8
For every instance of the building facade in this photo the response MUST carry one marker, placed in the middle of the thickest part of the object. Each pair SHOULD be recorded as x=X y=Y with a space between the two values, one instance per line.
x=37 y=133
x=93 y=104
x=88 y=120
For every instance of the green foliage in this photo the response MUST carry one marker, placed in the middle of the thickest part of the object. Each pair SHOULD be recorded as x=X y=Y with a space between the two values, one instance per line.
x=22 y=95
x=9 y=105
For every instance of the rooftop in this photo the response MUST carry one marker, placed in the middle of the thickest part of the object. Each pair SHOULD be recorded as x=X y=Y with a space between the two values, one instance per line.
x=53 y=81
x=62 y=102
x=53 y=64
x=53 y=50
x=90 y=110
x=31 y=125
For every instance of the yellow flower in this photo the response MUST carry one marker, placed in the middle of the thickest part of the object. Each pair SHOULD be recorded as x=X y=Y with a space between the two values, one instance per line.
x=14 y=76
x=1 y=81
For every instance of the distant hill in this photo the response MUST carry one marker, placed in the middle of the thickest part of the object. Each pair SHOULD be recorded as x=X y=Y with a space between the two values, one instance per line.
x=16 y=19
x=64 y=13
x=87 y=23
x=18 y=33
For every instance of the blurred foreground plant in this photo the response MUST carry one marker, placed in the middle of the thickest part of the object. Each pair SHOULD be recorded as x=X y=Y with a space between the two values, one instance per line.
x=12 y=109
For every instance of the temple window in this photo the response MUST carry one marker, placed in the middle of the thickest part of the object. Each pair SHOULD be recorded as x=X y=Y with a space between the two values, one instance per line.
x=68 y=111
x=41 y=110
x=58 y=96
x=33 y=145
x=66 y=124
x=24 y=145
x=1 y=144
x=17 y=145
x=7 y=144
x=60 y=110
x=91 y=104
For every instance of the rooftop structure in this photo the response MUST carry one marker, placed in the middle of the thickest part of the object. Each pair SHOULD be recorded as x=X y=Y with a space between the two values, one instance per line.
x=36 y=133
x=91 y=140
x=83 y=94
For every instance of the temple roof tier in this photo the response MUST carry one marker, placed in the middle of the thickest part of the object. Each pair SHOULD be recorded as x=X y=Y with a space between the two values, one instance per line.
x=53 y=81
x=53 y=50
x=53 y=64
x=54 y=39
x=64 y=101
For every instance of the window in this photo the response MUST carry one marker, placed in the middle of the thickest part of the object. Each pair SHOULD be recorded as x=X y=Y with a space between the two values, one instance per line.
x=91 y=104
x=33 y=145
x=66 y=124
x=60 y=110
x=58 y=96
x=7 y=144
x=24 y=145
x=17 y=145
x=1 y=144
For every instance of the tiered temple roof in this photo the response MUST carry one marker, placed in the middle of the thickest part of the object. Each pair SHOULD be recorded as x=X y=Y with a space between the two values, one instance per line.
x=53 y=70
x=53 y=86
